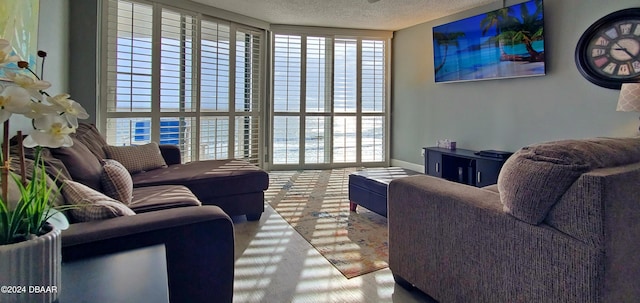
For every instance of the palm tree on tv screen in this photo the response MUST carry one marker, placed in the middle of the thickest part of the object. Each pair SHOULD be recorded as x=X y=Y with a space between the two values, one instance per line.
x=446 y=40
x=496 y=19
x=525 y=30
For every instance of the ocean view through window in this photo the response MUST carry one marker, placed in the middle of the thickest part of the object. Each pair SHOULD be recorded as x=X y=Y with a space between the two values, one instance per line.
x=179 y=77
x=329 y=100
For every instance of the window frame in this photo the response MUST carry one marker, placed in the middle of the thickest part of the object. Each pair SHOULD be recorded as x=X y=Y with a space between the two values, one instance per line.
x=254 y=116
x=333 y=34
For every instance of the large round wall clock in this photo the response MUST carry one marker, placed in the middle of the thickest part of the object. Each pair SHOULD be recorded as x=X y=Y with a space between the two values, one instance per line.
x=608 y=53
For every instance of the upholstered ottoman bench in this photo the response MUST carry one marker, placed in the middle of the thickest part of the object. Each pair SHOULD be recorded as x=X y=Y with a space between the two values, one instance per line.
x=368 y=188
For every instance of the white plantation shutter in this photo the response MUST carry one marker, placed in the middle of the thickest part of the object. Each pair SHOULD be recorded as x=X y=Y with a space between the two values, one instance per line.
x=373 y=76
x=287 y=67
x=176 y=77
x=330 y=99
x=177 y=32
x=286 y=140
x=373 y=92
x=373 y=138
x=215 y=56
x=129 y=57
x=176 y=61
x=129 y=72
x=345 y=139
x=214 y=138
x=345 y=74
x=248 y=56
x=317 y=139
x=247 y=94
x=317 y=129
x=318 y=74
x=214 y=66
x=287 y=78
x=345 y=96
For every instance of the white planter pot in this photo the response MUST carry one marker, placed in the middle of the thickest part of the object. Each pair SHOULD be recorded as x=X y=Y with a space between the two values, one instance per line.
x=31 y=270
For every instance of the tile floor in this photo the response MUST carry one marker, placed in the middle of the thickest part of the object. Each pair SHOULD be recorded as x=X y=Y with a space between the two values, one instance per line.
x=274 y=264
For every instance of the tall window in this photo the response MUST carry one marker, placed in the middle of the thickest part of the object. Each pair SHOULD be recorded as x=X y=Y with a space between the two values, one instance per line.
x=178 y=77
x=329 y=100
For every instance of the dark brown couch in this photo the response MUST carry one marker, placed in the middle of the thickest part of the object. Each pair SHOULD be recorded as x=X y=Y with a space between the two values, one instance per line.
x=235 y=185
x=198 y=240
x=199 y=245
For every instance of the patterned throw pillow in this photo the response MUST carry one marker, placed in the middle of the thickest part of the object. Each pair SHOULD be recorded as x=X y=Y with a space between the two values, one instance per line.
x=92 y=205
x=137 y=158
x=116 y=181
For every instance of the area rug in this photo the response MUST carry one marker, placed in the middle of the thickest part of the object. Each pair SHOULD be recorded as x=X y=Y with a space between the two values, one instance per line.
x=316 y=204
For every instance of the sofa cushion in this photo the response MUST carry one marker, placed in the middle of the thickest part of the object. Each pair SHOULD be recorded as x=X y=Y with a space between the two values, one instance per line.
x=91 y=138
x=137 y=158
x=81 y=164
x=92 y=205
x=153 y=198
x=116 y=181
x=54 y=167
x=209 y=179
x=535 y=177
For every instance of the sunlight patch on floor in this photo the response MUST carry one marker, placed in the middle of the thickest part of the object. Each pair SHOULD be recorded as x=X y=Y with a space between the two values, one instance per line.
x=277 y=265
x=274 y=263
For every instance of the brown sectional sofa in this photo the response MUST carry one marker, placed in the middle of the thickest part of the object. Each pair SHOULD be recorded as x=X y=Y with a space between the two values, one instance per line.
x=198 y=240
x=199 y=246
x=168 y=202
x=561 y=225
x=235 y=185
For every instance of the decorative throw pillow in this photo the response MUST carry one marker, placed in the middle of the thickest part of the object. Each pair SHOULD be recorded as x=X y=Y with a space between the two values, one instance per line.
x=89 y=135
x=116 y=181
x=82 y=164
x=536 y=177
x=137 y=158
x=531 y=183
x=92 y=205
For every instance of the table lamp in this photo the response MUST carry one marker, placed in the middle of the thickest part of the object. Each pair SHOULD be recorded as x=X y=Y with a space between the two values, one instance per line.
x=629 y=100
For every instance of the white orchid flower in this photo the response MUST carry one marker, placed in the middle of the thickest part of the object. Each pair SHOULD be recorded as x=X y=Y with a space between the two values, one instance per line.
x=72 y=110
x=13 y=100
x=33 y=86
x=51 y=131
x=5 y=53
x=38 y=110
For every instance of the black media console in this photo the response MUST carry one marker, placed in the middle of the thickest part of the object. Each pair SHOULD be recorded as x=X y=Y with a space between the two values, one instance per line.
x=463 y=165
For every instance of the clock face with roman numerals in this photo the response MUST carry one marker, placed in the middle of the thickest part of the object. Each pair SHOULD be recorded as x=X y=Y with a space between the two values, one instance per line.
x=608 y=53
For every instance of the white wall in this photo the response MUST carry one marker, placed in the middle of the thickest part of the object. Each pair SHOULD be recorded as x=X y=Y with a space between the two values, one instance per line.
x=53 y=37
x=503 y=114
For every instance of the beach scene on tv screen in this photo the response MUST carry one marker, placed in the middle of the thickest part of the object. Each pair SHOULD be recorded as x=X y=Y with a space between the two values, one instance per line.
x=504 y=43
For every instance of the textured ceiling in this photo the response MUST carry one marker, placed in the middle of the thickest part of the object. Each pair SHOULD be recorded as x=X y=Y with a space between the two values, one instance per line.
x=360 y=14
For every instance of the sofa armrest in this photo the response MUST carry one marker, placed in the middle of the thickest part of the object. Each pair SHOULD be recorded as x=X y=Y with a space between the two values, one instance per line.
x=199 y=244
x=420 y=190
x=445 y=236
x=171 y=154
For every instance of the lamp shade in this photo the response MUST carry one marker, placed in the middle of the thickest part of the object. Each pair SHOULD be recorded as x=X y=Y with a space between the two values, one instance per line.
x=629 y=100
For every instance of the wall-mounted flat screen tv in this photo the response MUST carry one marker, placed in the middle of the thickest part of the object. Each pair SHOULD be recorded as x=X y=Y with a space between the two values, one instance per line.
x=505 y=43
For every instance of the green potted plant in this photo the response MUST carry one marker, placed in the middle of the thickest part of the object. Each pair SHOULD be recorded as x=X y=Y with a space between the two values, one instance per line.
x=30 y=249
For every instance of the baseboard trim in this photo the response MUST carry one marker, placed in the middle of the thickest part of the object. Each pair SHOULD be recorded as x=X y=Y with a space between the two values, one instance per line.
x=407 y=165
